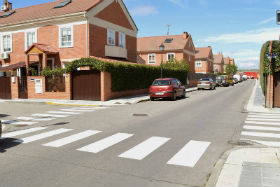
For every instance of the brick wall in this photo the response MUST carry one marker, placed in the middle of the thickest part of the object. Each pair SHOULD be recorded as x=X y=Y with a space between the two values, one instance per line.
x=107 y=94
x=48 y=95
x=14 y=88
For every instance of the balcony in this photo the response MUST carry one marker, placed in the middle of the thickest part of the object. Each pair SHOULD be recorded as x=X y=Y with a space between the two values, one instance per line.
x=115 y=51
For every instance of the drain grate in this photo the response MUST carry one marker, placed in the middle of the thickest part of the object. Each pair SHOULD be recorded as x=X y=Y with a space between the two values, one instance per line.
x=140 y=115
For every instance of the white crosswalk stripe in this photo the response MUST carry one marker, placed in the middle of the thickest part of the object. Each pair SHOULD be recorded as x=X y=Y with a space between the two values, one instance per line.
x=71 y=139
x=105 y=143
x=23 y=123
x=265 y=114
x=142 y=150
x=50 y=115
x=262 y=123
x=189 y=154
x=43 y=135
x=249 y=127
x=34 y=119
x=267 y=143
x=76 y=110
x=260 y=134
x=22 y=132
x=61 y=112
x=263 y=119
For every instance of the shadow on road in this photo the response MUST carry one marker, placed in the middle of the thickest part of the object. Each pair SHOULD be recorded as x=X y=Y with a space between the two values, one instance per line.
x=7 y=143
x=3 y=115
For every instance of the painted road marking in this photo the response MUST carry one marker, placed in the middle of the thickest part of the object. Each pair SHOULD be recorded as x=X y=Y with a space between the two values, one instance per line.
x=82 y=109
x=263 y=119
x=25 y=118
x=23 y=123
x=21 y=132
x=267 y=143
x=266 y=117
x=248 y=127
x=35 y=119
x=50 y=115
x=265 y=114
x=189 y=154
x=8 y=121
x=71 y=110
x=263 y=123
x=61 y=112
x=71 y=139
x=43 y=135
x=143 y=149
x=105 y=143
x=260 y=134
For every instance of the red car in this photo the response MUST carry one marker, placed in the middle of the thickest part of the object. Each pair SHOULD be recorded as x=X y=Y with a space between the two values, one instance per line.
x=167 y=88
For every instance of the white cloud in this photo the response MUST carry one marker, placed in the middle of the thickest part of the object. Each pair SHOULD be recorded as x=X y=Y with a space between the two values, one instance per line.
x=248 y=63
x=267 y=20
x=180 y=3
x=144 y=11
x=254 y=36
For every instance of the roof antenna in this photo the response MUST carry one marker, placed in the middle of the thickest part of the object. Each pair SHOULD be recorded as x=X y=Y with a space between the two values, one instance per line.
x=168 y=28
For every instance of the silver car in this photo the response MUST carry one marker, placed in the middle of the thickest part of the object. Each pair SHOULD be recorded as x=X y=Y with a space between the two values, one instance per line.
x=206 y=83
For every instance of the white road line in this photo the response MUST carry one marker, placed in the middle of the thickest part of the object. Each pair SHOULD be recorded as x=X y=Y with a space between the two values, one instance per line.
x=43 y=135
x=105 y=143
x=265 y=114
x=71 y=110
x=263 y=119
x=262 y=123
x=25 y=118
x=50 y=115
x=189 y=154
x=61 y=112
x=266 y=117
x=21 y=132
x=23 y=123
x=143 y=149
x=35 y=119
x=44 y=119
x=260 y=134
x=71 y=139
x=91 y=109
x=267 y=143
x=8 y=121
x=248 y=127
x=100 y=108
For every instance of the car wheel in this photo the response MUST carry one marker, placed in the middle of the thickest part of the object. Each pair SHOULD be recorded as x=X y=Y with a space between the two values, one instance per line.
x=174 y=97
x=184 y=95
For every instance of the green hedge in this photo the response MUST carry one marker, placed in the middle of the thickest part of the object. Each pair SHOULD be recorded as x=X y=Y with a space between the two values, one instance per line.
x=125 y=76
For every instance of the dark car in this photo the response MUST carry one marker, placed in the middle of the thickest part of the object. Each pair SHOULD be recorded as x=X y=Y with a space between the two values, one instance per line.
x=167 y=88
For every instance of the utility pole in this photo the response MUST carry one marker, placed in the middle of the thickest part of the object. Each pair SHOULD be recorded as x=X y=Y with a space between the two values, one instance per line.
x=168 y=28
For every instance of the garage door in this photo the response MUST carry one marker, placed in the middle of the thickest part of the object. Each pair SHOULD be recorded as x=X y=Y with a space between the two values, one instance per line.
x=5 y=88
x=276 y=78
x=86 y=85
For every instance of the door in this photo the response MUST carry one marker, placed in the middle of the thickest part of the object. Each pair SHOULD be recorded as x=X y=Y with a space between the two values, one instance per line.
x=276 y=78
x=5 y=88
x=22 y=87
x=86 y=85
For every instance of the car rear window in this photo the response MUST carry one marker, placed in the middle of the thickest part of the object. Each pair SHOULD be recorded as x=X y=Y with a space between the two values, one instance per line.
x=204 y=79
x=161 y=82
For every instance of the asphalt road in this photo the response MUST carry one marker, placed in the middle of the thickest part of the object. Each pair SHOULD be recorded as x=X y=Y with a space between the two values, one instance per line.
x=203 y=126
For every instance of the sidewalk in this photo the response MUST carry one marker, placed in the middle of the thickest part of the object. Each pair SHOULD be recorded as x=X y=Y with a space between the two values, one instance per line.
x=250 y=167
x=113 y=102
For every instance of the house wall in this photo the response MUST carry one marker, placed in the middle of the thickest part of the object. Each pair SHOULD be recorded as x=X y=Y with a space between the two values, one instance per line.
x=204 y=68
x=14 y=88
x=144 y=57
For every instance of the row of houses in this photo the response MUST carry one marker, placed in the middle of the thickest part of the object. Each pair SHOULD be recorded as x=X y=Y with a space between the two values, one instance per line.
x=56 y=33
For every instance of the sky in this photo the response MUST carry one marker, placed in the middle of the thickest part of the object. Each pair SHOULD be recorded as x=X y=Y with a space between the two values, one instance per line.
x=237 y=28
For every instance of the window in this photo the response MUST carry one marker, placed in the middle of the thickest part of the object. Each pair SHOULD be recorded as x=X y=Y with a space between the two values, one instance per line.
x=151 y=58
x=170 y=56
x=7 y=43
x=215 y=67
x=198 y=64
x=66 y=36
x=111 y=37
x=122 y=40
x=30 y=38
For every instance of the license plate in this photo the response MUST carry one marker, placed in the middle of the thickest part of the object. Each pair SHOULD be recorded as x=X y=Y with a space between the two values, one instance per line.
x=159 y=93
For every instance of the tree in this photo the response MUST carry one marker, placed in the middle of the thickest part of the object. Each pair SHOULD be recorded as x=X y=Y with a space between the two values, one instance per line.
x=231 y=69
x=173 y=63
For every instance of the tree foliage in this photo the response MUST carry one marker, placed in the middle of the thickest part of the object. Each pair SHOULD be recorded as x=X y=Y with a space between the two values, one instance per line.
x=231 y=69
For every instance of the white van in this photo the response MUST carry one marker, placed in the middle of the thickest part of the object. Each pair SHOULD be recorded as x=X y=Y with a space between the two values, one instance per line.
x=238 y=77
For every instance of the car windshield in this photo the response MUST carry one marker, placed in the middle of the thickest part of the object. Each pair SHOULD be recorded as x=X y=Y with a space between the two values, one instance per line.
x=161 y=82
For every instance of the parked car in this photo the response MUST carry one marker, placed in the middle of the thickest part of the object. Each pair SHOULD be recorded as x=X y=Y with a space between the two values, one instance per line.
x=235 y=80
x=224 y=80
x=0 y=129
x=238 y=77
x=206 y=83
x=231 y=81
x=167 y=88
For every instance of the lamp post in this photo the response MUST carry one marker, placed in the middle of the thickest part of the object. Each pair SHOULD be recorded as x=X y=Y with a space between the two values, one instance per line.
x=161 y=48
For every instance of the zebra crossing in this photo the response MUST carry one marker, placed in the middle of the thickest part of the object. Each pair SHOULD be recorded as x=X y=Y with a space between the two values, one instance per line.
x=262 y=128
x=50 y=115
x=188 y=156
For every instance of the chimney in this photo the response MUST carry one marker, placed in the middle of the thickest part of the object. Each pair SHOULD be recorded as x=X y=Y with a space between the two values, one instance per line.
x=7 y=6
x=185 y=35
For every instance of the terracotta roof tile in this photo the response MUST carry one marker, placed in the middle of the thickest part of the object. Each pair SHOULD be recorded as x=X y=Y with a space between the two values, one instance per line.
x=47 y=10
x=218 y=58
x=152 y=43
x=44 y=48
x=226 y=60
x=202 y=52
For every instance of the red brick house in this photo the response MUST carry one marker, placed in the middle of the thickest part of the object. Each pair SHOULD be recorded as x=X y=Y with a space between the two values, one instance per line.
x=226 y=62
x=176 y=46
x=218 y=63
x=204 y=60
x=56 y=33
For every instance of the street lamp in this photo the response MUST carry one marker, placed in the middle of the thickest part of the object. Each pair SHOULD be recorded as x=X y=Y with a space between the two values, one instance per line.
x=161 y=48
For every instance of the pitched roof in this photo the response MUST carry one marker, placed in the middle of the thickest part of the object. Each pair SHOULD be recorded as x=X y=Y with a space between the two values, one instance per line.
x=47 y=10
x=218 y=58
x=226 y=60
x=152 y=43
x=202 y=52
x=44 y=48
